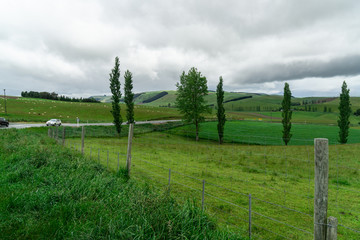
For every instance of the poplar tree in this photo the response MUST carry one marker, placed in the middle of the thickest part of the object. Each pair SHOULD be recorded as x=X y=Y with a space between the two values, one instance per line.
x=345 y=112
x=220 y=110
x=286 y=114
x=129 y=97
x=190 y=98
x=116 y=95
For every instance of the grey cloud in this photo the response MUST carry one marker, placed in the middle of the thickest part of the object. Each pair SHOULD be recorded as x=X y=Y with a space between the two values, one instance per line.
x=343 y=66
x=158 y=39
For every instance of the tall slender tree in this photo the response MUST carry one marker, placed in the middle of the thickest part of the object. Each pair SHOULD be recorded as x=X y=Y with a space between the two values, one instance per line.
x=345 y=112
x=190 y=98
x=129 y=97
x=220 y=110
x=116 y=95
x=286 y=114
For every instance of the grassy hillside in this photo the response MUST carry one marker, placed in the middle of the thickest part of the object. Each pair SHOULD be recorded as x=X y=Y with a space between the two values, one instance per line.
x=50 y=192
x=264 y=101
x=257 y=102
x=41 y=110
x=279 y=178
x=258 y=107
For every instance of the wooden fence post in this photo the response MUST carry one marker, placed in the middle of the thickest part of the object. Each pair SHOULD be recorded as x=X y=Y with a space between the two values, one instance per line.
x=107 y=160
x=49 y=132
x=250 y=220
x=332 y=228
x=63 y=137
x=57 y=133
x=99 y=155
x=128 y=157
x=82 y=139
x=169 y=178
x=321 y=151
x=203 y=196
x=118 y=161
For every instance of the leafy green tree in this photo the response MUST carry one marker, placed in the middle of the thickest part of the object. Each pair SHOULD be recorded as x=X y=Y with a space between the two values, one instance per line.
x=190 y=97
x=345 y=112
x=129 y=97
x=286 y=114
x=220 y=110
x=116 y=95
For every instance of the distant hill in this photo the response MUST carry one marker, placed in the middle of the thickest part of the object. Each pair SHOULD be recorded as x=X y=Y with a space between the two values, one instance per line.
x=242 y=101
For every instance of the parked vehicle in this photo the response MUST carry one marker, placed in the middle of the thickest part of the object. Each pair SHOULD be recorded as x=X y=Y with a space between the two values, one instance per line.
x=53 y=122
x=4 y=122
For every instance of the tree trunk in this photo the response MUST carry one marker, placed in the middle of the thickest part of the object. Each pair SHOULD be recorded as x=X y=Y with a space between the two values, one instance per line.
x=197 y=130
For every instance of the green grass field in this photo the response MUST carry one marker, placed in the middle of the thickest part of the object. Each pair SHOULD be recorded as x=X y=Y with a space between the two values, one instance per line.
x=252 y=161
x=265 y=133
x=309 y=117
x=40 y=110
x=278 y=177
x=51 y=192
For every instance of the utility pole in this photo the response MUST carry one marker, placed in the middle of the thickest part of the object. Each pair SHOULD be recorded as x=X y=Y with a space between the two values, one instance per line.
x=5 y=101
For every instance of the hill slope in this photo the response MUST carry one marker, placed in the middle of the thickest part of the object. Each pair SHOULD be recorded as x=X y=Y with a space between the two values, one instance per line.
x=241 y=101
x=41 y=110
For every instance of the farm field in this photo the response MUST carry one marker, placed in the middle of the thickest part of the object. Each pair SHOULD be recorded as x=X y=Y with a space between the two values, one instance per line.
x=309 y=117
x=279 y=179
x=41 y=110
x=265 y=133
x=38 y=110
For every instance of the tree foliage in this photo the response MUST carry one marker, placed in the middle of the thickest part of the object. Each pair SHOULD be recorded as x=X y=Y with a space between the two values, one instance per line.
x=129 y=97
x=220 y=110
x=55 y=96
x=116 y=95
x=345 y=112
x=286 y=114
x=190 y=97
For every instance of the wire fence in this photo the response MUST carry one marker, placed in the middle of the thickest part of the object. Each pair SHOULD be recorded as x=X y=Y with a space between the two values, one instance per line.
x=261 y=189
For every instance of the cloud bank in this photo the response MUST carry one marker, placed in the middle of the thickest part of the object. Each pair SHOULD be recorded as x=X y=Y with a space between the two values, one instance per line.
x=69 y=47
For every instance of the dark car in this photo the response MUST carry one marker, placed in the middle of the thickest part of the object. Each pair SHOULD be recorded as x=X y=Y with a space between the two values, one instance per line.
x=3 y=122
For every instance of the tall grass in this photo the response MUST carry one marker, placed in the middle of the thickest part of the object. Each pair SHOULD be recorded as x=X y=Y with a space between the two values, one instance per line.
x=49 y=192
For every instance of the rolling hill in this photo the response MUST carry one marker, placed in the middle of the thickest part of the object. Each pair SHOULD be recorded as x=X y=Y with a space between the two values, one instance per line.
x=243 y=102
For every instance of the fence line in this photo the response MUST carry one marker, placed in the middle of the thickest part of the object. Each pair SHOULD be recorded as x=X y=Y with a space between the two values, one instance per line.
x=264 y=155
x=231 y=203
x=207 y=194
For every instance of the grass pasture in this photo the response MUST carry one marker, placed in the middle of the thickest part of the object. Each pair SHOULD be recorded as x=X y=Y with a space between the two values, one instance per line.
x=279 y=178
x=265 y=133
x=41 y=110
x=308 y=118
x=51 y=192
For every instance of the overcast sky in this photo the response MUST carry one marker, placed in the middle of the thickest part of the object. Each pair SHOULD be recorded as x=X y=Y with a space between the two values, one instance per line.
x=69 y=46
